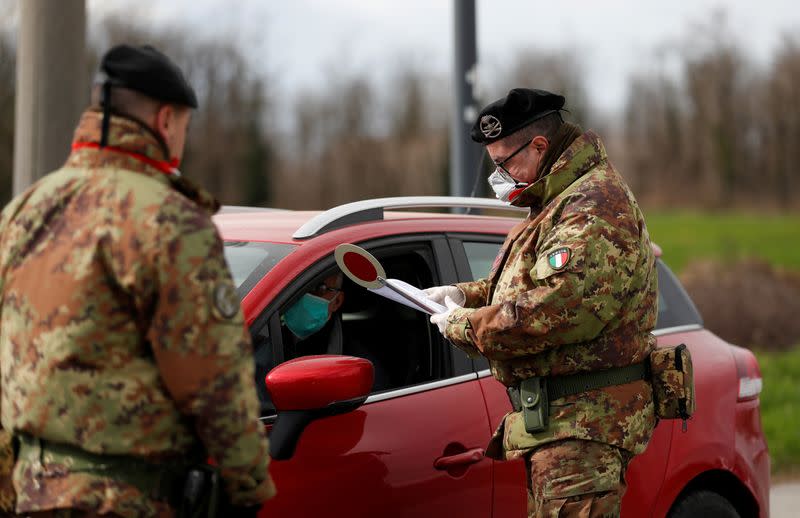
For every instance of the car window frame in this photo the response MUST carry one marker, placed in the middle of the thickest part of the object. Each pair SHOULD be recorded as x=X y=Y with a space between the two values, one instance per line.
x=458 y=368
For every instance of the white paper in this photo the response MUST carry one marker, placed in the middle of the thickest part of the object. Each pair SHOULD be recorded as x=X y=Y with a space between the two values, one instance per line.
x=421 y=301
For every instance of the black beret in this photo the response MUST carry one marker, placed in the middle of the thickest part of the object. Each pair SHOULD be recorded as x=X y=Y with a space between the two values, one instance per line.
x=147 y=71
x=513 y=112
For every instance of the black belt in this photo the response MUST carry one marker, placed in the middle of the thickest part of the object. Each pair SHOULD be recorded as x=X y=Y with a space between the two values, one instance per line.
x=562 y=386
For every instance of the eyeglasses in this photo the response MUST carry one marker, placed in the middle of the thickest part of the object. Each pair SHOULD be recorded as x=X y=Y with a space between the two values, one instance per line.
x=322 y=288
x=499 y=165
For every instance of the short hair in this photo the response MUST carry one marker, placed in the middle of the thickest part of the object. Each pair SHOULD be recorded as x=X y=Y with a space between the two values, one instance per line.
x=125 y=101
x=547 y=127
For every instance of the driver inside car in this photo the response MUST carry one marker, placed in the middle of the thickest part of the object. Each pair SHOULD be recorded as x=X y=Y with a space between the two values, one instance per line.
x=309 y=322
x=314 y=325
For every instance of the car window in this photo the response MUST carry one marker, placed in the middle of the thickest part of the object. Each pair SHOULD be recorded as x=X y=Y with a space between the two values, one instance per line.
x=398 y=340
x=249 y=261
x=675 y=308
x=480 y=257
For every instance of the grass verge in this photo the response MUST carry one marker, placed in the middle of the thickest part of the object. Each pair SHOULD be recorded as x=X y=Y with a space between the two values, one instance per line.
x=726 y=236
x=780 y=408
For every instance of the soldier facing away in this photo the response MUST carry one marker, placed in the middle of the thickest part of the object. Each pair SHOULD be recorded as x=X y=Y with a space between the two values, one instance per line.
x=126 y=362
x=565 y=315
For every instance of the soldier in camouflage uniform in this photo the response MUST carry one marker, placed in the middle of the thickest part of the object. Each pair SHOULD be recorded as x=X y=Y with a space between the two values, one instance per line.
x=124 y=352
x=571 y=293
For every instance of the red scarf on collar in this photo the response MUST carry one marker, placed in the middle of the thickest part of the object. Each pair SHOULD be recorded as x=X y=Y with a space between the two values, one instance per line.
x=166 y=167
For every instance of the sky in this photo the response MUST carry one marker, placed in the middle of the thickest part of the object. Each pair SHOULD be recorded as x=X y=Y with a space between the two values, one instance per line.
x=300 y=42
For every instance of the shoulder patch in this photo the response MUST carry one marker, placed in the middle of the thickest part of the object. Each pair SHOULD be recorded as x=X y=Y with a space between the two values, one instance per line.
x=225 y=300
x=559 y=258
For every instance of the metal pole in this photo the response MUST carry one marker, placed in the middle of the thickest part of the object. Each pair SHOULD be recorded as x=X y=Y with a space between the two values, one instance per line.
x=52 y=85
x=465 y=155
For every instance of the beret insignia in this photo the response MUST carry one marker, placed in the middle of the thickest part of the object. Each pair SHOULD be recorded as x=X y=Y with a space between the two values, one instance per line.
x=490 y=126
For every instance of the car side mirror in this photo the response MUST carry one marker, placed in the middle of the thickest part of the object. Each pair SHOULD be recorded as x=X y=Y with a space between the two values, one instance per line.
x=312 y=387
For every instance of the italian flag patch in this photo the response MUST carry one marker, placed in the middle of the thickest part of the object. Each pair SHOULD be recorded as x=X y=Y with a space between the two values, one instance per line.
x=559 y=258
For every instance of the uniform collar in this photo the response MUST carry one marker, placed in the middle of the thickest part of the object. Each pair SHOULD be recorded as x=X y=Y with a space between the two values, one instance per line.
x=133 y=147
x=585 y=153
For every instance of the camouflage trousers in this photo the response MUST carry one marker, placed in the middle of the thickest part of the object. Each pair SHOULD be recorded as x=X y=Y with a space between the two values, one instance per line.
x=576 y=478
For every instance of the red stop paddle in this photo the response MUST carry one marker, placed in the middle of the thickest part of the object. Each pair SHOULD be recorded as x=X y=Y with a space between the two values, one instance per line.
x=360 y=266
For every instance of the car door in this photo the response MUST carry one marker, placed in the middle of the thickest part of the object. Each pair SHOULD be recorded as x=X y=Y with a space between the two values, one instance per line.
x=415 y=448
x=473 y=255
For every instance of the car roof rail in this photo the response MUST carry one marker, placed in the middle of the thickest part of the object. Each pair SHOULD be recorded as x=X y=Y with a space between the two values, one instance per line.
x=372 y=210
x=235 y=209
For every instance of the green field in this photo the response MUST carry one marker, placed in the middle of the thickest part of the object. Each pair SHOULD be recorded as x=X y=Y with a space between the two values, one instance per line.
x=726 y=236
x=780 y=408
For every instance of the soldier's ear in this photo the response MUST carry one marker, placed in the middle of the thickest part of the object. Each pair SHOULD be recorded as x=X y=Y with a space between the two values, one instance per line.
x=164 y=119
x=540 y=143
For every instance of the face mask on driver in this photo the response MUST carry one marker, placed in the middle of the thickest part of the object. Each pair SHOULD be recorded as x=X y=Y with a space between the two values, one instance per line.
x=503 y=185
x=307 y=316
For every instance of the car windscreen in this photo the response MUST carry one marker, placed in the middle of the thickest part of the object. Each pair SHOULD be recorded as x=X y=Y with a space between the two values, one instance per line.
x=249 y=261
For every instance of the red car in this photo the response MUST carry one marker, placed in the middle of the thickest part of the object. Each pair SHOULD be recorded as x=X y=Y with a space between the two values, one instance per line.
x=403 y=434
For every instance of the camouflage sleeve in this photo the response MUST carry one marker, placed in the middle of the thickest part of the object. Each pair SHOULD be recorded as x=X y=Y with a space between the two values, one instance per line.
x=475 y=291
x=460 y=335
x=459 y=332
x=7 y=450
x=579 y=281
x=203 y=351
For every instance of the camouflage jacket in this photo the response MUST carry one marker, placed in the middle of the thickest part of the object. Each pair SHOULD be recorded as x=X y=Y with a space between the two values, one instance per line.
x=121 y=330
x=572 y=290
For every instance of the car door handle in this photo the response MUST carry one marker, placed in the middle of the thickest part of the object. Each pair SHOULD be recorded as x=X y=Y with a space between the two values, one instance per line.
x=460 y=459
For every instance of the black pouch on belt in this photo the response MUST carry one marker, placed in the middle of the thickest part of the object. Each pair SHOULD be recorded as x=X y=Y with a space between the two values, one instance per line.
x=201 y=492
x=535 y=406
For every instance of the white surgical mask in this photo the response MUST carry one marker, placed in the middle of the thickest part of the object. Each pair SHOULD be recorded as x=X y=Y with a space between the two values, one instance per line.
x=503 y=185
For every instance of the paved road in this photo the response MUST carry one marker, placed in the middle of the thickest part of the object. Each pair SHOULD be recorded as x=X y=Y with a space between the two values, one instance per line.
x=784 y=500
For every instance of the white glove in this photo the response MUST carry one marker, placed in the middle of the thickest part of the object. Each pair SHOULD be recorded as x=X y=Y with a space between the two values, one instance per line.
x=440 y=319
x=438 y=294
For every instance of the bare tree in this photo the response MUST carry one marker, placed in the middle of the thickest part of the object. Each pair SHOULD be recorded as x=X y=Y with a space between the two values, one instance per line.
x=723 y=132
x=780 y=122
x=344 y=155
x=718 y=118
x=652 y=156
x=409 y=117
